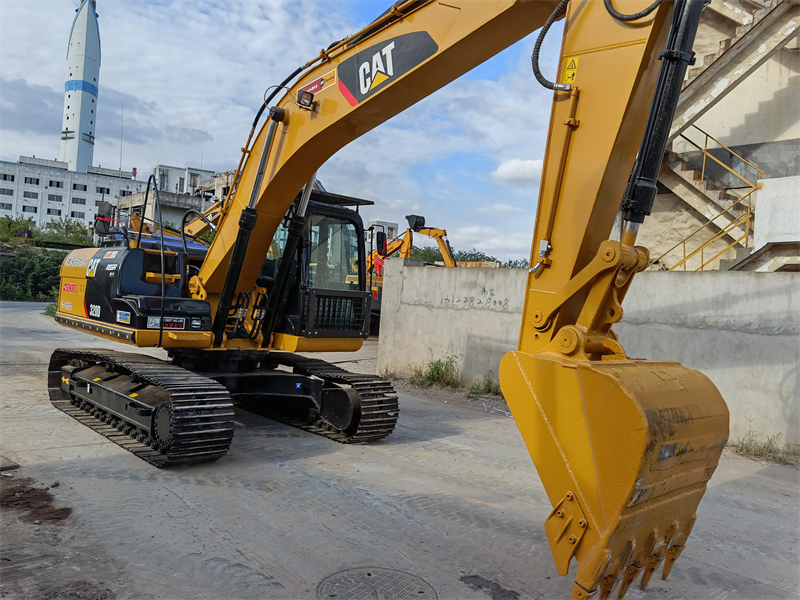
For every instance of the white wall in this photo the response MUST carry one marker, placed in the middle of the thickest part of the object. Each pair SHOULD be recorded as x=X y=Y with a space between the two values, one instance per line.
x=741 y=329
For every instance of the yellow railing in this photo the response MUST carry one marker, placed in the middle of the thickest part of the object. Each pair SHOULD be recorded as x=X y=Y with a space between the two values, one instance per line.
x=745 y=218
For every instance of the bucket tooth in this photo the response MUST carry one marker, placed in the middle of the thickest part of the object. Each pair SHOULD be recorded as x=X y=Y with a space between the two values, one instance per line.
x=658 y=554
x=631 y=573
x=607 y=585
x=581 y=593
x=653 y=562
x=677 y=546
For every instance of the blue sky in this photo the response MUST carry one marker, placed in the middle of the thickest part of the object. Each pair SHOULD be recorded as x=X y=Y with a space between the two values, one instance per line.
x=191 y=74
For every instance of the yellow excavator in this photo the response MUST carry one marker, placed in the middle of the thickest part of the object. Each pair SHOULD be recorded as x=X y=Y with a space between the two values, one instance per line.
x=402 y=246
x=624 y=447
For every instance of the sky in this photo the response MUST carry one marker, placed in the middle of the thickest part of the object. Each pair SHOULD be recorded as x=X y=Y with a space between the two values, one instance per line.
x=189 y=75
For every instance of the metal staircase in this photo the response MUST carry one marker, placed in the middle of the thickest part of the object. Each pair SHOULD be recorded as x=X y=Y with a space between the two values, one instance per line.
x=767 y=26
x=720 y=190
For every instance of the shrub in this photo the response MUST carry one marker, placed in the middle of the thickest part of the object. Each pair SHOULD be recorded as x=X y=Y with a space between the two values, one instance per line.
x=483 y=387
x=31 y=275
x=442 y=371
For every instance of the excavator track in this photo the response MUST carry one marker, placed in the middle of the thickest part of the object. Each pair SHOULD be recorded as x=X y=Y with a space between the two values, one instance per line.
x=200 y=410
x=379 y=406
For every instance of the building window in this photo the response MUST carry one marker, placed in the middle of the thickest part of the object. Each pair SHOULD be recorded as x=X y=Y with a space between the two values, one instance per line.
x=180 y=184
x=162 y=182
x=54 y=211
x=55 y=198
x=124 y=193
x=5 y=206
x=30 y=209
x=59 y=184
x=77 y=215
x=103 y=190
x=79 y=187
x=6 y=177
x=32 y=180
x=5 y=192
x=79 y=200
x=31 y=195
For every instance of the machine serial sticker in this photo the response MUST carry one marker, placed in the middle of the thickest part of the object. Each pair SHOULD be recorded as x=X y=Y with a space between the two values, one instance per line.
x=75 y=262
x=66 y=305
x=111 y=267
x=91 y=268
x=571 y=69
x=169 y=322
x=123 y=317
x=110 y=254
x=320 y=84
x=70 y=288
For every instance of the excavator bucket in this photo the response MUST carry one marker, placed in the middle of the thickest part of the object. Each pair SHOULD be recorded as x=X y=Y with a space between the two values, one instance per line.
x=624 y=449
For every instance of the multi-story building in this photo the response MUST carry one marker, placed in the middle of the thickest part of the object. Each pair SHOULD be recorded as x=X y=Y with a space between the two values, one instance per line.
x=180 y=180
x=47 y=190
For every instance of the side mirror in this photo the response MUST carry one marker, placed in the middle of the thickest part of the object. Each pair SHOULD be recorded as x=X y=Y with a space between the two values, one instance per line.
x=380 y=242
x=104 y=217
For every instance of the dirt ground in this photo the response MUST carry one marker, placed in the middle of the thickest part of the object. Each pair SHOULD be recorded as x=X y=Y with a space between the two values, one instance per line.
x=451 y=498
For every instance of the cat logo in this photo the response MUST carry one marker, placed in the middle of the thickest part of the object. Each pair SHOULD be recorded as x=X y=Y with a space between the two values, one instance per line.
x=371 y=77
x=91 y=268
x=373 y=68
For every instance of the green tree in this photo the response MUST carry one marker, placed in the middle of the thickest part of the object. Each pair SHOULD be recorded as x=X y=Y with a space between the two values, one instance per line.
x=520 y=263
x=65 y=231
x=10 y=226
x=429 y=254
x=31 y=275
x=473 y=255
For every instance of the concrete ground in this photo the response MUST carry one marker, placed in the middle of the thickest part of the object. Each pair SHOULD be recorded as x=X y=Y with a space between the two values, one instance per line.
x=451 y=497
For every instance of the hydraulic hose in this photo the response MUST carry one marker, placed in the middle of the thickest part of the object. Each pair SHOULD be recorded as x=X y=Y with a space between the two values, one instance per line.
x=183 y=226
x=620 y=17
x=139 y=245
x=564 y=87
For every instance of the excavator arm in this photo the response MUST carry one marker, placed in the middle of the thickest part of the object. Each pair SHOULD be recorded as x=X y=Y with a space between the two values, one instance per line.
x=440 y=235
x=624 y=447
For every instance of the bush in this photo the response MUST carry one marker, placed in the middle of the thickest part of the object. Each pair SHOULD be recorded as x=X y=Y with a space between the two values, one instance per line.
x=484 y=387
x=442 y=370
x=60 y=231
x=31 y=275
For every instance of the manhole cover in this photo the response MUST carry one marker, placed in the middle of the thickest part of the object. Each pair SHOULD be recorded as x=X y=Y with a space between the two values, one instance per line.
x=379 y=584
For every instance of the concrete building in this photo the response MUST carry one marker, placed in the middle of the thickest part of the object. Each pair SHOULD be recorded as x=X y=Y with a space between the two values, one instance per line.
x=218 y=186
x=735 y=146
x=80 y=90
x=47 y=190
x=180 y=180
x=173 y=206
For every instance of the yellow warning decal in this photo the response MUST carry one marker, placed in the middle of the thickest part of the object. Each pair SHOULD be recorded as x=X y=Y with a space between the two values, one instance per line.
x=96 y=379
x=134 y=395
x=65 y=380
x=570 y=69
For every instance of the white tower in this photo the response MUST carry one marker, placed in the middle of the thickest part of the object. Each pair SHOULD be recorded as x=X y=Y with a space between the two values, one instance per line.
x=80 y=91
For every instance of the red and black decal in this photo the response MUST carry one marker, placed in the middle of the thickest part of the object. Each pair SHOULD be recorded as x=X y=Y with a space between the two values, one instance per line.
x=373 y=68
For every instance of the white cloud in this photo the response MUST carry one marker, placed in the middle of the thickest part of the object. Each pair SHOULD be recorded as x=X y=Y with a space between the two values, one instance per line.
x=192 y=74
x=519 y=173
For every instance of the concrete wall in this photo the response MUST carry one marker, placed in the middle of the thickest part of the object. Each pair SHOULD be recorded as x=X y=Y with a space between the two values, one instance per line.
x=741 y=329
x=778 y=214
x=429 y=313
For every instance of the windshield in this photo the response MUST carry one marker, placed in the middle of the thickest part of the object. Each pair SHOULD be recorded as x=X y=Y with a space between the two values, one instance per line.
x=333 y=262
